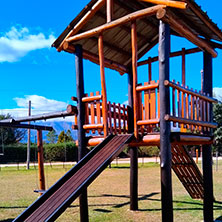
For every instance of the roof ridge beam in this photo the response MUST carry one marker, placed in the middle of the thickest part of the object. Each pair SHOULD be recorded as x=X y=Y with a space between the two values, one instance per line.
x=182 y=29
x=169 y=3
x=130 y=17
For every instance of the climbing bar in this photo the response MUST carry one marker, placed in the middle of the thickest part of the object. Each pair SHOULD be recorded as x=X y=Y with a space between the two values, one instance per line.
x=174 y=4
x=185 y=90
x=92 y=98
x=93 y=126
x=147 y=87
x=148 y=122
x=128 y=18
x=189 y=121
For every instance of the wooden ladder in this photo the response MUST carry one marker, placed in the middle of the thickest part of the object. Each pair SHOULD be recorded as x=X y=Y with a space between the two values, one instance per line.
x=187 y=171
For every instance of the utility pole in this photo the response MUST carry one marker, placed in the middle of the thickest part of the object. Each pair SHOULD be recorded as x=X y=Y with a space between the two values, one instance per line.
x=28 y=140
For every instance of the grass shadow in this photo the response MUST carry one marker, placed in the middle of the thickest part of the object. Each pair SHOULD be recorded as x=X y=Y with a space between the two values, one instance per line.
x=7 y=220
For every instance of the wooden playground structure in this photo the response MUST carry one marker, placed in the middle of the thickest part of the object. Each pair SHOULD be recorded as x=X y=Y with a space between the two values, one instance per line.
x=163 y=112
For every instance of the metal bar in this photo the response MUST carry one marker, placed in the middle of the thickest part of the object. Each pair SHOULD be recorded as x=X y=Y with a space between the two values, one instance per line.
x=83 y=202
x=165 y=147
x=25 y=126
x=207 y=149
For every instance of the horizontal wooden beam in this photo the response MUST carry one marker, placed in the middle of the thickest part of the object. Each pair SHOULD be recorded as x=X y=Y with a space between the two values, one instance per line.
x=183 y=30
x=189 y=121
x=91 y=98
x=190 y=92
x=94 y=58
x=25 y=126
x=172 y=54
x=148 y=122
x=93 y=126
x=147 y=87
x=169 y=3
x=83 y=21
x=95 y=141
x=130 y=17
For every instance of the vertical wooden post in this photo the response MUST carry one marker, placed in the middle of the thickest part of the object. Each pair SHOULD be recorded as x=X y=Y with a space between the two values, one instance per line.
x=207 y=149
x=40 y=160
x=133 y=150
x=183 y=67
x=103 y=83
x=165 y=147
x=28 y=140
x=134 y=70
x=83 y=202
x=109 y=10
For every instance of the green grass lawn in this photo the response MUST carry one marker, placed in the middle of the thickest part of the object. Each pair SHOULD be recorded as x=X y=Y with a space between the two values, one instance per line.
x=108 y=195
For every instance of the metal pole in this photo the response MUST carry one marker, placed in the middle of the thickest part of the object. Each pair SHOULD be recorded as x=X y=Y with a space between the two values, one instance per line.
x=28 y=139
x=207 y=149
x=165 y=147
x=83 y=202
x=133 y=150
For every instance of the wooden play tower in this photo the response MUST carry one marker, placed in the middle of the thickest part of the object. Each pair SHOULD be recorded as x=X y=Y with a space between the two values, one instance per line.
x=115 y=34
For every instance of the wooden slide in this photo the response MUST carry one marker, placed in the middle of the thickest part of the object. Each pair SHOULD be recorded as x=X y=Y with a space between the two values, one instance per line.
x=55 y=201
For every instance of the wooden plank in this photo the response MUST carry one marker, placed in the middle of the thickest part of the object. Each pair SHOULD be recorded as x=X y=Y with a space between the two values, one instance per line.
x=103 y=84
x=169 y=3
x=92 y=98
x=148 y=122
x=152 y=85
x=93 y=127
x=128 y=18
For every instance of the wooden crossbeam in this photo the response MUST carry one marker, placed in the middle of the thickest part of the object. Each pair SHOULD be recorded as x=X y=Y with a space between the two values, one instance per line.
x=130 y=17
x=169 y=3
x=83 y=21
x=183 y=30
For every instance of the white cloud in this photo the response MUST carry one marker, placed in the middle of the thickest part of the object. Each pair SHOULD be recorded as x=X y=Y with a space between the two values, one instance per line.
x=17 y=43
x=217 y=92
x=40 y=105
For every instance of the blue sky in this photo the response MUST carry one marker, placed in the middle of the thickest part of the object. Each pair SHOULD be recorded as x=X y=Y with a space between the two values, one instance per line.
x=30 y=69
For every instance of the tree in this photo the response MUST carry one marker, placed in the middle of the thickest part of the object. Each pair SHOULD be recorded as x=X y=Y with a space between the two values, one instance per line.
x=217 y=113
x=52 y=136
x=10 y=135
x=65 y=137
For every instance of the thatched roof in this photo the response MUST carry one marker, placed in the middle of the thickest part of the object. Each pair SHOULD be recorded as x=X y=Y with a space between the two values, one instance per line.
x=117 y=41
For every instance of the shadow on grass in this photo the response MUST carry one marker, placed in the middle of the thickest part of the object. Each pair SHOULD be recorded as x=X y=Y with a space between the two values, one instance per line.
x=14 y=207
x=7 y=220
x=102 y=210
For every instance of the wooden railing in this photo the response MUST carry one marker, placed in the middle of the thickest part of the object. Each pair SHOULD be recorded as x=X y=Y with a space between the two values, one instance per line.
x=117 y=116
x=189 y=109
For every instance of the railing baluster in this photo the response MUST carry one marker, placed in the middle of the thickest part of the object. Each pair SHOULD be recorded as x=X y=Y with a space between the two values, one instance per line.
x=98 y=113
x=87 y=113
x=114 y=118
x=187 y=107
x=192 y=111
x=174 y=102
x=119 y=118
x=124 y=118
x=178 y=104
x=146 y=103
x=110 y=117
x=92 y=111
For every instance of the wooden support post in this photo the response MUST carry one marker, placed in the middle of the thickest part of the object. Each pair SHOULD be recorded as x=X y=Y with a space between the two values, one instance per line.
x=81 y=121
x=207 y=149
x=150 y=69
x=109 y=10
x=40 y=160
x=103 y=84
x=183 y=67
x=133 y=150
x=134 y=71
x=165 y=147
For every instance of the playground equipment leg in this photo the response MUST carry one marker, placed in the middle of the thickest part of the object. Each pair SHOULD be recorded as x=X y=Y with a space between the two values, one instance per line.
x=165 y=147
x=81 y=132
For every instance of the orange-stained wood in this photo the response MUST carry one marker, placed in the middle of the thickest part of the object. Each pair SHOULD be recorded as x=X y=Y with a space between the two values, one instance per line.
x=148 y=122
x=109 y=10
x=98 y=110
x=153 y=102
x=83 y=21
x=92 y=98
x=92 y=126
x=169 y=3
x=127 y=18
x=92 y=111
x=103 y=83
x=40 y=161
x=152 y=85
x=114 y=118
x=134 y=70
x=95 y=141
